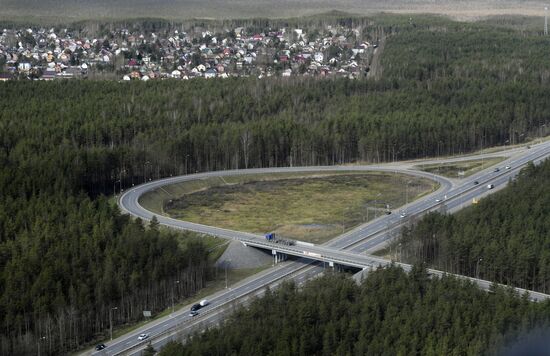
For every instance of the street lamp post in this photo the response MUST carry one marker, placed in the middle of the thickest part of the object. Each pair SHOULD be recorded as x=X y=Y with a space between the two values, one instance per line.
x=186 y=167
x=176 y=282
x=114 y=187
x=40 y=344
x=225 y=265
x=399 y=245
x=111 y=321
x=375 y=205
x=120 y=179
x=145 y=171
x=407 y=193
x=477 y=267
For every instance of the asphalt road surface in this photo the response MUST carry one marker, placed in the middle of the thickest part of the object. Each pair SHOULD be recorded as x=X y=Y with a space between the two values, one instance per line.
x=365 y=238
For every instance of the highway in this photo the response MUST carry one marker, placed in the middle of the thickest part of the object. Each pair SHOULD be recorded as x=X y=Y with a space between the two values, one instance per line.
x=365 y=238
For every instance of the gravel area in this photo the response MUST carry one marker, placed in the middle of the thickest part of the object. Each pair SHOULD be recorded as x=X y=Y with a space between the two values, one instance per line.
x=239 y=256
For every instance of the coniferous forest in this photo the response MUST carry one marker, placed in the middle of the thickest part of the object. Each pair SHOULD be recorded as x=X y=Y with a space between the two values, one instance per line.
x=67 y=256
x=505 y=238
x=390 y=313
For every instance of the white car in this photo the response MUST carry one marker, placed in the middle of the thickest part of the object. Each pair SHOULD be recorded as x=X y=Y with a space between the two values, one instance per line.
x=403 y=214
x=437 y=200
x=508 y=167
x=143 y=336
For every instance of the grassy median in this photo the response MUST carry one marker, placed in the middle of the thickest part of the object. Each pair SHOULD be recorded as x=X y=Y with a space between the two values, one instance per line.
x=460 y=169
x=312 y=207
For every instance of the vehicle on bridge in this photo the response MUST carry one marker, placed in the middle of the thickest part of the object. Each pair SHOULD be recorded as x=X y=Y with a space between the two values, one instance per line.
x=273 y=238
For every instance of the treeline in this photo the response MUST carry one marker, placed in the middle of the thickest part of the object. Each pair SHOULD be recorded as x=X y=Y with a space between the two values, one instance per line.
x=505 y=238
x=67 y=256
x=66 y=261
x=103 y=132
x=390 y=313
x=64 y=144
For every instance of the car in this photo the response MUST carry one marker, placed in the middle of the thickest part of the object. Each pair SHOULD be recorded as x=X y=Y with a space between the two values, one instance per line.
x=193 y=313
x=388 y=212
x=490 y=186
x=508 y=167
x=143 y=336
x=100 y=347
x=403 y=214
x=196 y=307
x=437 y=200
x=476 y=182
x=496 y=169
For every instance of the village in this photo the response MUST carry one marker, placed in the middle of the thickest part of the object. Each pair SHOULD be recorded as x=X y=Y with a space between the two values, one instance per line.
x=122 y=54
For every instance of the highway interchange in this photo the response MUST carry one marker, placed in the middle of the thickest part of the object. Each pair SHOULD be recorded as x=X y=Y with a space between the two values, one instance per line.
x=363 y=239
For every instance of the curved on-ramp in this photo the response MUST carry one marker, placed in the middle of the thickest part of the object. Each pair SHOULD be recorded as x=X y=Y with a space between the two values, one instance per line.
x=129 y=201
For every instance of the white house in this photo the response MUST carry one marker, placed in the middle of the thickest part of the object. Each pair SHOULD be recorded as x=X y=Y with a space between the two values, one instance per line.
x=176 y=74
x=211 y=73
x=24 y=67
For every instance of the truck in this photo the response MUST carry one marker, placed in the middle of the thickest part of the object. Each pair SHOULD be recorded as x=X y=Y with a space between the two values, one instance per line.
x=270 y=236
x=273 y=238
x=490 y=186
x=199 y=305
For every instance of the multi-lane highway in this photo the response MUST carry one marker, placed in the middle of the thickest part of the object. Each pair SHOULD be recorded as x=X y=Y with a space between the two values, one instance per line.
x=365 y=238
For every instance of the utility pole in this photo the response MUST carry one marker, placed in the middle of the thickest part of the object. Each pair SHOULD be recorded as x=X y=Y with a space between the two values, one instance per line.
x=111 y=321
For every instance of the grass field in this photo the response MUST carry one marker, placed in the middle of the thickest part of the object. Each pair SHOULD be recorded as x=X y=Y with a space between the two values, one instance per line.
x=460 y=169
x=63 y=11
x=311 y=207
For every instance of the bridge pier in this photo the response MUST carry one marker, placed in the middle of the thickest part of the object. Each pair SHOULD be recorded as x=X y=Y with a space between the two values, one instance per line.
x=335 y=266
x=278 y=256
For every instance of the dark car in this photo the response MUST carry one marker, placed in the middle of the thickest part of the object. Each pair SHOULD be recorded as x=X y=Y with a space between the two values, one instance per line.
x=100 y=347
x=195 y=307
x=476 y=182
x=496 y=169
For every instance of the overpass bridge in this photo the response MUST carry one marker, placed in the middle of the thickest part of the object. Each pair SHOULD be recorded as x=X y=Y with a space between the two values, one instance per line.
x=359 y=241
x=363 y=262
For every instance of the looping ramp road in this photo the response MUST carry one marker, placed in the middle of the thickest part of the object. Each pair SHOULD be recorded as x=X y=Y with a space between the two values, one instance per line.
x=365 y=238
